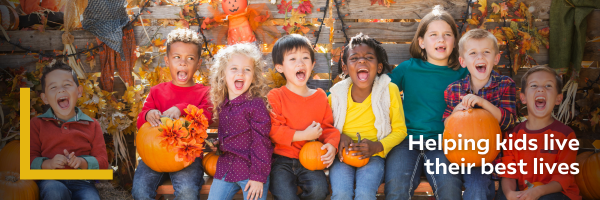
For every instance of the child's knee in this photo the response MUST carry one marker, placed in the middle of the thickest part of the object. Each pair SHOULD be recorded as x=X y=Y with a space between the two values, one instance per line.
x=187 y=192
x=50 y=189
x=316 y=189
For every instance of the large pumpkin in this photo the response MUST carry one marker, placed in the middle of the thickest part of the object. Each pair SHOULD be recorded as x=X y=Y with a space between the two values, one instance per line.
x=153 y=155
x=10 y=157
x=310 y=156
x=351 y=160
x=12 y=188
x=588 y=178
x=210 y=163
x=473 y=124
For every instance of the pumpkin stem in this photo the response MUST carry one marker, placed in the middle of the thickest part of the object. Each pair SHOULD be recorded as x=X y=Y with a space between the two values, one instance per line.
x=470 y=110
x=12 y=178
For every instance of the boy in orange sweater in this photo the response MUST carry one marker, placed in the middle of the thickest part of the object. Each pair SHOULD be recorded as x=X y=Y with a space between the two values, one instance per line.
x=64 y=137
x=184 y=48
x=541 y=92
x=300 y=114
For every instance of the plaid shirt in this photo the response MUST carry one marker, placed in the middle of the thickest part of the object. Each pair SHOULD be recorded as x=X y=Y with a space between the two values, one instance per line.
x=500 y=91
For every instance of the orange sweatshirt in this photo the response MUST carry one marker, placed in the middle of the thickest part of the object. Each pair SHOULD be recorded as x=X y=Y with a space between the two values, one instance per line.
x=292 y=112
x=561 y=132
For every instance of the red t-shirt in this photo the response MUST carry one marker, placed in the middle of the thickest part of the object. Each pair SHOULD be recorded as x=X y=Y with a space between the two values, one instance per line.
x=560 y=132
x=166 y=95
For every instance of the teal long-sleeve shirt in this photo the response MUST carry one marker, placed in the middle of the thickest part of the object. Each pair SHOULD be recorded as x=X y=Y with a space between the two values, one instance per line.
x=423 y=84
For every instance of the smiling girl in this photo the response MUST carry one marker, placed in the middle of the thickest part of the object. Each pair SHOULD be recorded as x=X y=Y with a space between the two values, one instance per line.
x=369 y=104
x=423 y=79
x=238 y=95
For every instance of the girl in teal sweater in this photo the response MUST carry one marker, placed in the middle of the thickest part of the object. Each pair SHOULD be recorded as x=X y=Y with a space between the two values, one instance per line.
x=423 y=80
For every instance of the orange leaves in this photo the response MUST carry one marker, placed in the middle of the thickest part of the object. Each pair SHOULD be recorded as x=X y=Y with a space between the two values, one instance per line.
x=305 y=7
x=262 y=18
x=184 y=136
x=188 y=152
x=207 y=23
x=182 y=23
x=171 y=133
x=284 y=7
x=274 y=79
x=158 y=42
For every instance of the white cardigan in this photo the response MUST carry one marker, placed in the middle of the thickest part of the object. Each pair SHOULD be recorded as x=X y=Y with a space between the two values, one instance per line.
x=380 y=101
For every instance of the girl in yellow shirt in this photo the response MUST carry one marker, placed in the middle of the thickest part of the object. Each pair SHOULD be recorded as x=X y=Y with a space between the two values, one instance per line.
x=368 y=104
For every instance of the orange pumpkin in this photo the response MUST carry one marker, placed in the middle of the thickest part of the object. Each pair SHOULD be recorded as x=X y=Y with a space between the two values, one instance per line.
x=11 y=187
x=473 y=124
x=353 y=160
x=210 y=163
x=232 y=7
x=10 y=157
x=153 y=155
x=588 y=178
x=535 y=184
x=310 y=156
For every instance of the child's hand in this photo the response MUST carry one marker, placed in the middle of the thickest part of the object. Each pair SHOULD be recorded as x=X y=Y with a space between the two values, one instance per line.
x=313 y=131
x=254 y=189
x=344 y=143
x=530 y=194
x=153 y=117
x=329 y=156
x=214 y=147
x=58 y=162
x=366 y=148
x=459 y=107
x=172 y=113
x=513 y=195
x=73 y=161
x=470 y=100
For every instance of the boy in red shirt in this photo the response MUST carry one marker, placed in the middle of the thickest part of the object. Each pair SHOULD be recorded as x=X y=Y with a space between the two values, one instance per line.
x=64 y=137
x=169 y=99
x=541 y=92
x=300 y=114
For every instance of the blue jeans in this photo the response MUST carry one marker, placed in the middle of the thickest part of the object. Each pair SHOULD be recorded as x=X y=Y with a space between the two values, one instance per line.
x=367 y=179
x=403 y=170
x=221 y=189
x=287 y=174
x=67 y=189
x=186 y=182
x=478 y=185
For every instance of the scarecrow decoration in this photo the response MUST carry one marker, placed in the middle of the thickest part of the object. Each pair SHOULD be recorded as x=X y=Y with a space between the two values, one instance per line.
x=245 y=22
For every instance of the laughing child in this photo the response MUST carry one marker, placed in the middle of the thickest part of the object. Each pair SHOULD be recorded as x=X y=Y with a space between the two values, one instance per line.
x=64 y=137
x=169 y=99
x=541 y=92
x=300 y=114
x=482 y=88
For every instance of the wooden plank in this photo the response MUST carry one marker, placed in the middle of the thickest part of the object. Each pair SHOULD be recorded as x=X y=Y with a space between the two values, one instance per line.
x=172 y=12
x=48 y=40
x=216 y=34
x=417 y=9
x=28 y=62
x=591 y=51
x=593 y=30
x=395 y=31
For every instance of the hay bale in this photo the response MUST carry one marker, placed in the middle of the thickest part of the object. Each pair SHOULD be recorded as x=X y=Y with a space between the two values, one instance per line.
x=109 y=192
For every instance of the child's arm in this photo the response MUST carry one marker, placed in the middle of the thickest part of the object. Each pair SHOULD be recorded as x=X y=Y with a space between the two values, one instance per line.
x=98 y=153
x=509 y=181
x=539 y=191
x=397 y=121
x=509 y=187
x=397 y=75
x=330 y=136
x=261 y=147
x=204 y=104
x=508 y=104
x=149 y=105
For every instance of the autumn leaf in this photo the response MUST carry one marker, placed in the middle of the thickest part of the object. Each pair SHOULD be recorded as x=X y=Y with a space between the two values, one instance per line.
x=274 y=78
x=297 y=17
x=39 y=27
x=262 y=18
x=336 y=54
x=511 y=3
x=483 y=7
x=182 y=24
x=158 y=42
x=284 y=7
x=473 y=21
x=207 y=22
x=188 y=152
x=504 y=10
x=305 y=7
x=595 y=118
x=510 y=35
x=495 y=8
x=303 y=29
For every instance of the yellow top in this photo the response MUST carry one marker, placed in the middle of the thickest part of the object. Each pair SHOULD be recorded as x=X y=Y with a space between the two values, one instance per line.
x=360 y=118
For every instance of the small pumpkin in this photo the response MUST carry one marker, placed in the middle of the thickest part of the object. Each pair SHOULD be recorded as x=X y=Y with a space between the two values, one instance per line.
x=12 y=188
x=154 y=156
x=310 y=156
x=353 y=160
x=233 y=7
x=532 y=185
x=588 y=178
x=9 y=155
x=210 y=163
x=473 y=124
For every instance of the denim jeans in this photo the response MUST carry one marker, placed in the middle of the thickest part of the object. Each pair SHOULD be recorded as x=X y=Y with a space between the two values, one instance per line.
x=287 y=174
x=478 y=185
x=403 y=170
x=367 y=178
x=186 y=182
x=67 y=189
x=221 y=189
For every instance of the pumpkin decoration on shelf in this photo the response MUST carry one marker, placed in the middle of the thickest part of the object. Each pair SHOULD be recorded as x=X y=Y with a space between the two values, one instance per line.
x=13 y=188
x=210 y=159
x=310 y=156
x=9 y=18
x=532 y=185
x=588 y=178
x=351 y=160
x=239 y=27
x=9 y=155
x=245 y=22
x=472 y=124
x=175 y=144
